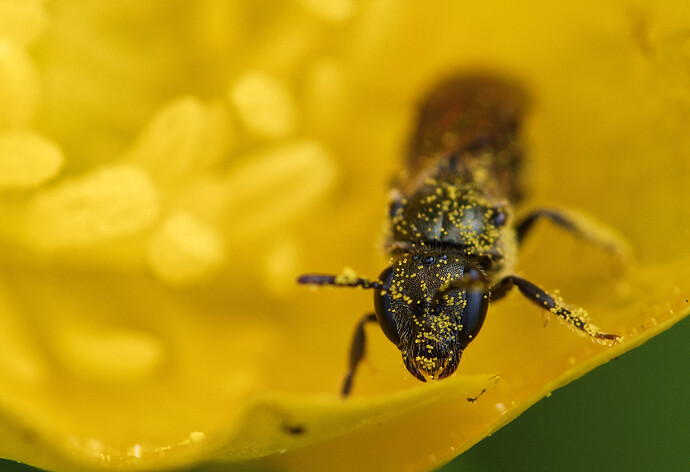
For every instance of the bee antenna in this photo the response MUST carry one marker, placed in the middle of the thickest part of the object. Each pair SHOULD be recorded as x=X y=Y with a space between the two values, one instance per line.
x=473 y=279
x=340 y=281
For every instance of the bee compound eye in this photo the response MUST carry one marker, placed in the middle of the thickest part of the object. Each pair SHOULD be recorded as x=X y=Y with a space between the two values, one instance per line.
x=473 y=315
x=499 y=216
x=382 y=306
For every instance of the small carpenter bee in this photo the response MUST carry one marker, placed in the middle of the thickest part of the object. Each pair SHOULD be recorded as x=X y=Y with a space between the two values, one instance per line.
x=452 y=239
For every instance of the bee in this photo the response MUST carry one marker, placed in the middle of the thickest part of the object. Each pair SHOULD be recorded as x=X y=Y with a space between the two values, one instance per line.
x=453 y=238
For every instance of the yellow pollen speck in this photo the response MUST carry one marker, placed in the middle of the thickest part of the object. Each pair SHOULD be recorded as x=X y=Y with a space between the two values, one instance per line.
x=347 y=275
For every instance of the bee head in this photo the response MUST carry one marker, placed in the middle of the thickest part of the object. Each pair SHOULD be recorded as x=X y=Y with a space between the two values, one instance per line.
x=430 y=303
x=433 y=305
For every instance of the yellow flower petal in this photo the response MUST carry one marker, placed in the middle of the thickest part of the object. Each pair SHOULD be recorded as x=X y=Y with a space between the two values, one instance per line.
x=18 y=85
x=22 y=21
x=333 y=10
x=109 y=357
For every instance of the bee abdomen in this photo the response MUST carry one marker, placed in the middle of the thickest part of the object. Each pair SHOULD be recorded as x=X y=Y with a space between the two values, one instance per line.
x=468 y=129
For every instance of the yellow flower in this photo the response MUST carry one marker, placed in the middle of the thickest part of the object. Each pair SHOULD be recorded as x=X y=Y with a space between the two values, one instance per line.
x=168 y=168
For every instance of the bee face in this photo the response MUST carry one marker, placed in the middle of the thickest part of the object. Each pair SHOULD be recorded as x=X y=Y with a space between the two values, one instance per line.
x=431 y=309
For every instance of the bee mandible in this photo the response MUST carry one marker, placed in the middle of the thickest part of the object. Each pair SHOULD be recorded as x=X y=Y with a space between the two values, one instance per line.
x=453 y=238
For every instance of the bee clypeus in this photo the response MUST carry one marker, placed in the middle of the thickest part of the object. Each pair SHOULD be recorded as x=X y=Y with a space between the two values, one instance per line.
x=453 y=238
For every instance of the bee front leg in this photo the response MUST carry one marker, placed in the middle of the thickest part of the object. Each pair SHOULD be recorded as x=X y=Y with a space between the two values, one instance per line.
x=583 y=227
x=576 y=317
x=357 y=351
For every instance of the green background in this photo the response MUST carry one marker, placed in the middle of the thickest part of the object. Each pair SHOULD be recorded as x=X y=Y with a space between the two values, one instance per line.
x=632 y=414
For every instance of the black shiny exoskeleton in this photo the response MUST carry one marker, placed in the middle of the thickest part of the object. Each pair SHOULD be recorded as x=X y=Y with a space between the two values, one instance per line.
x=452 y=238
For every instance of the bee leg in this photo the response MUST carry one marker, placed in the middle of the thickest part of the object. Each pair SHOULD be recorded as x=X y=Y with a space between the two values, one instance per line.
x=578 y=224
x=547 y=302
x=357 y=350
